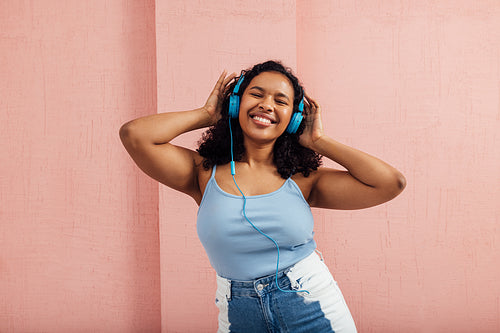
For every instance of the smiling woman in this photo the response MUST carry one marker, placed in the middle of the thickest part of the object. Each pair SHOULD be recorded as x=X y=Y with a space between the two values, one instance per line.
x=255 y=179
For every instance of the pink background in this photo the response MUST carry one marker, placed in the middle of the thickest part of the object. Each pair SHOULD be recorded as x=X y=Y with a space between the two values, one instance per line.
x=89 y=243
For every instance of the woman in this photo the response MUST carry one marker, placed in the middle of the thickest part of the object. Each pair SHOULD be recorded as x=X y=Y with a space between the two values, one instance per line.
x=254 y=177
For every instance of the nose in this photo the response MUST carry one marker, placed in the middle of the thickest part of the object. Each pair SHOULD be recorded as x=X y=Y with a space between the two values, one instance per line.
x=267 y=103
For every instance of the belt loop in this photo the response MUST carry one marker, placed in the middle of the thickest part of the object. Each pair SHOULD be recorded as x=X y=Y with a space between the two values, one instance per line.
x=293 y=282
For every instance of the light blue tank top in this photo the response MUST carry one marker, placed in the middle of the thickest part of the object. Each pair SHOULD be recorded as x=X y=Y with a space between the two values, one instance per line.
x=235 y=249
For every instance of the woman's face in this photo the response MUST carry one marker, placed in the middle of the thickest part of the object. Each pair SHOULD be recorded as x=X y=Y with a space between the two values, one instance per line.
x=266 y=107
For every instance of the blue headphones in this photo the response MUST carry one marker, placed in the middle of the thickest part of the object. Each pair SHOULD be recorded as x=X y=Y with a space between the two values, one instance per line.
x=234 y=108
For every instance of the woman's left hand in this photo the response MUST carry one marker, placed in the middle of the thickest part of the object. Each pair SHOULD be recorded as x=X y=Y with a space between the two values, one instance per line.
x=314 y=127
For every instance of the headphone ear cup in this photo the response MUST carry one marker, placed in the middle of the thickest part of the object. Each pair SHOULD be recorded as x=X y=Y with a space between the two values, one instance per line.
x=234 y=106
x=294 y=124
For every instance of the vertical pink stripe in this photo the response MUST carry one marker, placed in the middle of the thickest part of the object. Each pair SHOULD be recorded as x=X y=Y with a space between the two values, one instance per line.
x=79 y=246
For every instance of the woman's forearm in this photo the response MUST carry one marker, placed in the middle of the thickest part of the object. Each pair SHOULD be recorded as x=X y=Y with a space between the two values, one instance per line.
x=365 y=168
x=162 y=128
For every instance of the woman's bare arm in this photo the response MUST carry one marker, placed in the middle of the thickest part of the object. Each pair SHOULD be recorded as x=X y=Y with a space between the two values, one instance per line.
x=147 y=140
x=367 y=182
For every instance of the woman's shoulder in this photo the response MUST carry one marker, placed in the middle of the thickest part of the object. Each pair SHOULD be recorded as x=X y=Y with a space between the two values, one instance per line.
x=204 y=174
x=306 y=183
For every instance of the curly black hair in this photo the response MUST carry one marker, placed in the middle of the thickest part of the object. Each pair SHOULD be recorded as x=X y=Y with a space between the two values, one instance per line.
x=289 y=156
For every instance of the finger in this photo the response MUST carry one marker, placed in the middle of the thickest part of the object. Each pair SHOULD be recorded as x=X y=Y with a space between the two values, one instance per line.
x=314 y=105
x=223 y=87
x=307 y=107
x=219 y=82
x=311 y=101
x=228 y=79
x=310 y=107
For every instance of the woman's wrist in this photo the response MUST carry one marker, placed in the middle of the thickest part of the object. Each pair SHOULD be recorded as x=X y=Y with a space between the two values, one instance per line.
x=201 y=118
x=320 y=144
x=207 y=117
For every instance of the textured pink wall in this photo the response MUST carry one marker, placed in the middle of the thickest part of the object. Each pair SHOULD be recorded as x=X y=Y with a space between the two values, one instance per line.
x=415 y=83
x=79 y=247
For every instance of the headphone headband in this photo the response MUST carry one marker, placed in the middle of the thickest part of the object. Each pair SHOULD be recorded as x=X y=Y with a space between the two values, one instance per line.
x=301 y=104
x=234 y=99
x=237 y=87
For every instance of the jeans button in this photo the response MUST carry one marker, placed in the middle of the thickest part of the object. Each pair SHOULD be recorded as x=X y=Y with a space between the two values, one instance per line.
x=260 y=287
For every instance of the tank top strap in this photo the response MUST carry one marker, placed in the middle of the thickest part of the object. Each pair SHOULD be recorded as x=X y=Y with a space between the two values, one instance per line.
x=209 y=184
x=213 y=171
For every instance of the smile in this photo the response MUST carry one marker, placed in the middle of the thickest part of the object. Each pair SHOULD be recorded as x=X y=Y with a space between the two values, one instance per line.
x=262 y=120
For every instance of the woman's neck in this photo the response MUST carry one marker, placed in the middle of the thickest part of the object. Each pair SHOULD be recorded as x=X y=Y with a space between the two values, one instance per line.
x=258 y=154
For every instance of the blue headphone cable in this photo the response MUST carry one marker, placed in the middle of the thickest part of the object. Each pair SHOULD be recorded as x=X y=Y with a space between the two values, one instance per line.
x=233 y=172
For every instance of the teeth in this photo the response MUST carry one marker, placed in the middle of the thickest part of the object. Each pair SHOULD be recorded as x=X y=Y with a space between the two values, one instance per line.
x=261 y=119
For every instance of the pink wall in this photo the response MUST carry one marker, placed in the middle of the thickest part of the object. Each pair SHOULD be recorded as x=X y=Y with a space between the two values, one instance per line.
x=79 y=246
x=415 y=83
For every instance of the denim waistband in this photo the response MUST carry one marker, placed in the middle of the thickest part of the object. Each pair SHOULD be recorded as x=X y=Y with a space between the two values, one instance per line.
x=264 y=284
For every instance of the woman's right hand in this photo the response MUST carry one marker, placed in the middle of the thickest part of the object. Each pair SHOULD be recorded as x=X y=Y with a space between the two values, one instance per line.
x=213 y=105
